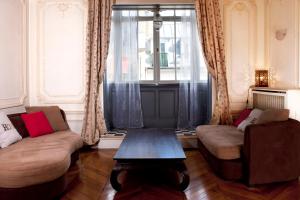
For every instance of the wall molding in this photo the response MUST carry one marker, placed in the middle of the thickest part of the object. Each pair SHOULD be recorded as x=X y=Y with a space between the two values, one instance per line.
x=74 y=115
x=42 y=94
x=239 y=93
x=20 y=99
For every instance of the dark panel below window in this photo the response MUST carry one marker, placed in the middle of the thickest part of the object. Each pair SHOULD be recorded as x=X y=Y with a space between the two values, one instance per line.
x=160 y=105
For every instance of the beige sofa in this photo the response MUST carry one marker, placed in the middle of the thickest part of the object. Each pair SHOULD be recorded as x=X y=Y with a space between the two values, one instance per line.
x=34 y=168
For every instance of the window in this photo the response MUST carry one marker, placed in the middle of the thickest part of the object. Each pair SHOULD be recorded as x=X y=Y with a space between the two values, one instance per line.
x=160 y=55
x=155 y=45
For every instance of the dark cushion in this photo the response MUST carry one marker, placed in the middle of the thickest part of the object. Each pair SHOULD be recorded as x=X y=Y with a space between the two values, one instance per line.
x=19 y=124
x=244 y=114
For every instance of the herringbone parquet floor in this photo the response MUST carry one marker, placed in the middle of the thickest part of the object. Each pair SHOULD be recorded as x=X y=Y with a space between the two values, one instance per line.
x=95 y=167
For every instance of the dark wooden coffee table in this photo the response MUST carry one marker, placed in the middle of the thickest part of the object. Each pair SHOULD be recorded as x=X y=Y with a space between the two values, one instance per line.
x=150 y=149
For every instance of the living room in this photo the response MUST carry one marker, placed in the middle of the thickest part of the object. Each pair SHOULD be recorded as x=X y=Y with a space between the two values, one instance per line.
x=161 y=99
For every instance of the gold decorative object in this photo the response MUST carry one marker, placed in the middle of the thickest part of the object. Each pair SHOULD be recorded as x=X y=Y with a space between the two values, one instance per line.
x=261 y=78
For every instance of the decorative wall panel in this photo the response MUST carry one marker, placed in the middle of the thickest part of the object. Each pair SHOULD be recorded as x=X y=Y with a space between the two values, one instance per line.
x=240 y=39
x=61 y=33
x=12 y=53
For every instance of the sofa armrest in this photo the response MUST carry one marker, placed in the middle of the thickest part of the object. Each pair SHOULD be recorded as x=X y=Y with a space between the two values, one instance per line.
x=271 y=152
x=64 y=116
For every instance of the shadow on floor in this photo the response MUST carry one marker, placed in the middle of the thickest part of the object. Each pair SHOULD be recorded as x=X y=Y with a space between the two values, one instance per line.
x=154 y=185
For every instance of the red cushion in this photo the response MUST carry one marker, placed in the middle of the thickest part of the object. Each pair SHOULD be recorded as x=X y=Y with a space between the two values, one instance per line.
x=244 y=114
x=37 y=124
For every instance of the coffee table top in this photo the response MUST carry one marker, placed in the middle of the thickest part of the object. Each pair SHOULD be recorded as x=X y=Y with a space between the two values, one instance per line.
x=150 y=144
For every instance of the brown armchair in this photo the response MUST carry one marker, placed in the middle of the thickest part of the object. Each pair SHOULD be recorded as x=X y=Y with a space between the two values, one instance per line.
x=264 y=153
x=271 y=152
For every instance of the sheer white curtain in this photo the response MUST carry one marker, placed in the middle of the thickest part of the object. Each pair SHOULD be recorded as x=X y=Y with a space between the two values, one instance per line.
x=192 y=74
x=123 y=71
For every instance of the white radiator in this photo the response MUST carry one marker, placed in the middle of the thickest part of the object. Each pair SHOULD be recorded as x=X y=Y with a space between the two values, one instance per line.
x=269 y=99
x=265 y=98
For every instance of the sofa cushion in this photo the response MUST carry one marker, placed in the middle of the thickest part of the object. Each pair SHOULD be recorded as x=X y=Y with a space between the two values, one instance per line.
x=18 y=123
x=273 y=115
x=9 y=137
x=53 y=114
x=8 y=133
x=37 y=124
x=37 y=160
x=224 y=142
x=243 y=115
x=251 y=119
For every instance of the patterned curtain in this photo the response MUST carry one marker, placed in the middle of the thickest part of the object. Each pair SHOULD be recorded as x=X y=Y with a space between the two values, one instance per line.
x=99 y=20
x=212 y=37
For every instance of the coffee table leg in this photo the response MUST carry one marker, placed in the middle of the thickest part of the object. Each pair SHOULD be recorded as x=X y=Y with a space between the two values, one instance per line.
x=114 y=178
x=181 y=168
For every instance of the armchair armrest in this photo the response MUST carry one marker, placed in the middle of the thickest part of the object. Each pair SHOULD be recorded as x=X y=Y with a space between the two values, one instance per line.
x=271 y=152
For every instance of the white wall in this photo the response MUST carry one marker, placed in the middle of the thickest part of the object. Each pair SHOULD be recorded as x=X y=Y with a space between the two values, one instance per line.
x=240 y=30
x=55 y=60
x=13 y=88
x=250 y=38
x=244 y=30
x=57 y=56
x=282 y=54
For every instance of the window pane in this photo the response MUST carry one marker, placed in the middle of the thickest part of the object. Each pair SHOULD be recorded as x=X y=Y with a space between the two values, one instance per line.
x=167 y=51
x=183 y=12
x=183 y=59
x=125 y=13
x=203 y=70
x=145 y=45
x=145 y=13
x=167 y=13
x=189 y=50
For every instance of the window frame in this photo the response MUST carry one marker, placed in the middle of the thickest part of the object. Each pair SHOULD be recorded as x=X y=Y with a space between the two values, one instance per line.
x=156 y=36
x=156 y=49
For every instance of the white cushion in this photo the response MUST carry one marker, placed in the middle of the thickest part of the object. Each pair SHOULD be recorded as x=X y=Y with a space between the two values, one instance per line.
x=251 y=119
x=8 y=133
x=9 y=137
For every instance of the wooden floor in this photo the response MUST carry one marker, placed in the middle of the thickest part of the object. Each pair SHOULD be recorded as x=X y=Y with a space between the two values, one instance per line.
x=95 y=167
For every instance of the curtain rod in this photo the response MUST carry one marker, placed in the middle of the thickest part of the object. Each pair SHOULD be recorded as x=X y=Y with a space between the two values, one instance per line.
x=154 y=6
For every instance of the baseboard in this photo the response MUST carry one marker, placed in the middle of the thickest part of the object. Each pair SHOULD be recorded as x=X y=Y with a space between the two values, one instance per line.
x=112 y=142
